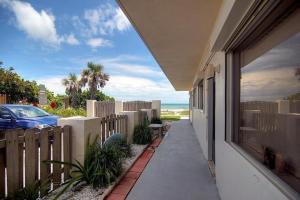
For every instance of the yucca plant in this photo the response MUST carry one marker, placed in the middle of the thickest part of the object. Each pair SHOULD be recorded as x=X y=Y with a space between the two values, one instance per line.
x=31 y=192
x=119 y=141
x=101 y=166
x=156 y=120
x=142 y=134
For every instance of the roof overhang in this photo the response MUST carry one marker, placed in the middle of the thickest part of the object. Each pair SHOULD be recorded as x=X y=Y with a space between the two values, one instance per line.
x=175 y=31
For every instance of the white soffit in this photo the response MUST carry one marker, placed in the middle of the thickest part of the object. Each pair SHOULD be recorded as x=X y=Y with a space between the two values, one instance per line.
x=175 y=31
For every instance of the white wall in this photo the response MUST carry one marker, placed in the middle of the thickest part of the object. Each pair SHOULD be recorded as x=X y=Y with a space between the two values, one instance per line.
x=236 y=177
x=199 y=124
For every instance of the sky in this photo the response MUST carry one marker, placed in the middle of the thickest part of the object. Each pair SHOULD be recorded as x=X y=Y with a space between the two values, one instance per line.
x=46 y=40
x=273 y=76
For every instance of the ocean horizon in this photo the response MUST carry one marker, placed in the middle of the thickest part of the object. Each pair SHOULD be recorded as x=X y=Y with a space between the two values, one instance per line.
x=170 y=106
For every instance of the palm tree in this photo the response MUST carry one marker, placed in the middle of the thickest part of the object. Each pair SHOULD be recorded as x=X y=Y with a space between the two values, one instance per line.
x=94 y=77
x=73 y=88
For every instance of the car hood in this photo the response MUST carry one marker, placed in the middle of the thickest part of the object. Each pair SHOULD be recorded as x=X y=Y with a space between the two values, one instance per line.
x=50 y=120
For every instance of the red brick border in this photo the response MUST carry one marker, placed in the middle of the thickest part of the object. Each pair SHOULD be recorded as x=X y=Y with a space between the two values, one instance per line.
x=122 y=189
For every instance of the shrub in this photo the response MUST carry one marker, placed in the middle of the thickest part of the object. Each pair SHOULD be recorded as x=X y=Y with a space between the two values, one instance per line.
x=119 y=141
x=69 y=112
x=142 y=134
x=156 y=121
x=100 y=168
x=31 y=192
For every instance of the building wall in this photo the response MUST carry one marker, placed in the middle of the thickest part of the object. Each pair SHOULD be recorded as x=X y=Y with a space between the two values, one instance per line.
x=236 y=177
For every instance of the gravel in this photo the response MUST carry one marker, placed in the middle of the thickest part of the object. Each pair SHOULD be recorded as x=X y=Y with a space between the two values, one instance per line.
x=88 y=192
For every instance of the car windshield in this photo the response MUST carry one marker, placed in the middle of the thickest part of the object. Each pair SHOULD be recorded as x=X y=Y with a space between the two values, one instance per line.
x=28 y=111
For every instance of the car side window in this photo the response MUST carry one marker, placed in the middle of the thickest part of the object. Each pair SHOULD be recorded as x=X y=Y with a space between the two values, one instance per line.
x=3 y=112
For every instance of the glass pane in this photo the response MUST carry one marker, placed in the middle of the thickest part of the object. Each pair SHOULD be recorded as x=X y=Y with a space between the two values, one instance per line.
x=270 y=110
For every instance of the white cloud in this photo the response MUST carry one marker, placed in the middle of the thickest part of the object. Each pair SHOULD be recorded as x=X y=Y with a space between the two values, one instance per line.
x=37 y=25
x=135 y=88
x=101 y=21
x=72 y=40
x=53 y=83
x=127 y=88
x=98 y=42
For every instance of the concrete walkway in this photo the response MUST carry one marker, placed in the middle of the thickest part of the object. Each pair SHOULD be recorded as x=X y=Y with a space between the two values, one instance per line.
x=177 y=171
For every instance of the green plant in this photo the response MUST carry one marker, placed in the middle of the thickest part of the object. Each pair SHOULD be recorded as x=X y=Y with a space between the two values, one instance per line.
x=73 y=88
x=170 y=117
x=31 y=192
x=68 y=112
x=156 y=120
x=94 y=77
x=142 y=134
x=101 y=166
x=119 y=142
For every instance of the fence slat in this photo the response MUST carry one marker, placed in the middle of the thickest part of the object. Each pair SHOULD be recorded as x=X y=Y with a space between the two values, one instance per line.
x=56 y=156
x=107 y=127
x=67 y=150
x=12 y=146
x=30 y=156
x=44 y=155
x=2 y=172
x=103 y=138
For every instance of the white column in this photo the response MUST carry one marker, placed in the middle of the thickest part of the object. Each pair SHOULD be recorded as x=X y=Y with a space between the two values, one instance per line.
x=82 y=127
x=118 y=107
x=156 y=104
x=90 y=108
x=150 y=113
x=283 y=106
x=132 y=121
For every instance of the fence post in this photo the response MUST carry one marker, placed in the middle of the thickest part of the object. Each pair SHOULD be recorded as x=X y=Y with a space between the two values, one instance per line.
x=44 y=155
x=91 y=108
x=118 y=107
x=82 y=127
x=156 y=104
x=283 y=106
x=132 y=121
x=67 y=145
x=56 y=156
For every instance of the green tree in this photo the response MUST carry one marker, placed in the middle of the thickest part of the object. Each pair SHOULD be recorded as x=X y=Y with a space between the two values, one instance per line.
x=94 y=77
x=73 y=88
x=99 y=96
x=15 y=87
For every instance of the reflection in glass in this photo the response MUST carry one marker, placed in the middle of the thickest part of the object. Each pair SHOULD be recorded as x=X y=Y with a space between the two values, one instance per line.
x=270 y=110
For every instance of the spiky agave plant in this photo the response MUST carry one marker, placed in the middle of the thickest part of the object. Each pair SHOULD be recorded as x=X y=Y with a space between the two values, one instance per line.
x=101 y=166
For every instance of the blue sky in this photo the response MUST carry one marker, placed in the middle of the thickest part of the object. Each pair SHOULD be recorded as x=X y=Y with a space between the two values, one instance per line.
x=46 y=40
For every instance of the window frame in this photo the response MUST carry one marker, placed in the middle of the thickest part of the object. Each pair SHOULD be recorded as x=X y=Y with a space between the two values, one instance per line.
x=271 y=13
x=194 y=97
x=201 y=95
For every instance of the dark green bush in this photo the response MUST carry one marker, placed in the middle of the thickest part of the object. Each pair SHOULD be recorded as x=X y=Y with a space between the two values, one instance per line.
x=101 y=166
x=156 y=121
x=119 y=141
x=142 y=134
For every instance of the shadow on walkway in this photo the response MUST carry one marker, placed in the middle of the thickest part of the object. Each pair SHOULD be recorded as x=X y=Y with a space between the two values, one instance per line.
x=177 y=171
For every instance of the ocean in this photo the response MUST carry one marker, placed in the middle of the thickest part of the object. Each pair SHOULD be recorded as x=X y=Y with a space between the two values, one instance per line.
x=171 y=106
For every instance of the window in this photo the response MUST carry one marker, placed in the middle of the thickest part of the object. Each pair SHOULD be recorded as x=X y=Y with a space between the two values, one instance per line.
x=263 y=97
x=200 y=95
x=270 y=110
x=194 y=97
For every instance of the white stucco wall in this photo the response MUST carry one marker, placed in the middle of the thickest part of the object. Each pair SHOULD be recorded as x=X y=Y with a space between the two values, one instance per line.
x=236 y=177
x=199 y=124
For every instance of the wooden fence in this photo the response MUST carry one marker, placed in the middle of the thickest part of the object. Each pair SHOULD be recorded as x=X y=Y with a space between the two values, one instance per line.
x=104 y=108
x=136 y=105
x=263 y=106
x=3 y=99
x=295 y=106
x=34 y=146
x=113 y=124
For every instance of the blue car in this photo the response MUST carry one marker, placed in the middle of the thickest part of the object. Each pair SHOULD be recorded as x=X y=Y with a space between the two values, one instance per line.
x=24 y=116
